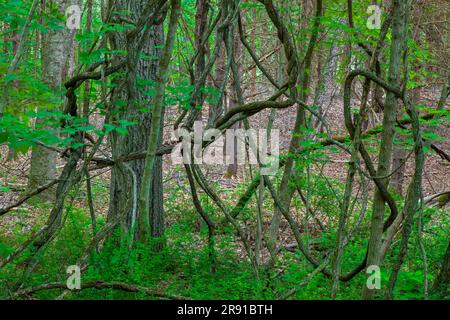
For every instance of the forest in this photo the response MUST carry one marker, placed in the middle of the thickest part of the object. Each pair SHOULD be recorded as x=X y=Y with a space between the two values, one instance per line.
x=224 y=150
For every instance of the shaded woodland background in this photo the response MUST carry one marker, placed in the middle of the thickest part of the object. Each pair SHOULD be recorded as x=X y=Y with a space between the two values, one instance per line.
x=87 y=122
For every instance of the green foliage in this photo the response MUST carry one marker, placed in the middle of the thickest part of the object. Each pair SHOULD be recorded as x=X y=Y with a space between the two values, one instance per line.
x=183 y=266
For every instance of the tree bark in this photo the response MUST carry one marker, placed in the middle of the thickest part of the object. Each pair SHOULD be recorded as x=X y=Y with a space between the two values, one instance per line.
x=150 y=220
x=43 y=160
x=132 y=104
x=387 y=135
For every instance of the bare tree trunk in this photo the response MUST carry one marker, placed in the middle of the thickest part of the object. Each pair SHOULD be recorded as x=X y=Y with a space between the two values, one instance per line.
x=387 y=138
x=87 y=84
x=400 y=154
x=253 y=91
x=43 y=160
x=18 y=50
x=219 y=75
x=146 y=226
x=129 y=101
x=201 y=26
x=327 y=87
x=233 y=100
x=398 y=164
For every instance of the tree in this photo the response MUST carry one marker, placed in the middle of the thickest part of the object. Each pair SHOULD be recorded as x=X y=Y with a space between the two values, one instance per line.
x=54 y=59
x=133 y=103
x=140 y=69
x=400 y=11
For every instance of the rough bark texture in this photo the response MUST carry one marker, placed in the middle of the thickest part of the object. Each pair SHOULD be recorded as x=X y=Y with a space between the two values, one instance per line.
x=131 y=102
x=145 y=227
x=43 y=161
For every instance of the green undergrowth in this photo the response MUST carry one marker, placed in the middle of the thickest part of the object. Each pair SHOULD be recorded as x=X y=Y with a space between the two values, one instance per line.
x=183 y=267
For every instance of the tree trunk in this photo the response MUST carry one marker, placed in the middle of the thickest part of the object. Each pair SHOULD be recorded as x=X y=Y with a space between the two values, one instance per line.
x=387 y=138
x=130 y=103
x=153 y=226
x=286 y=188
x=400 y=154
x=43 y=161
x=233 y=101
